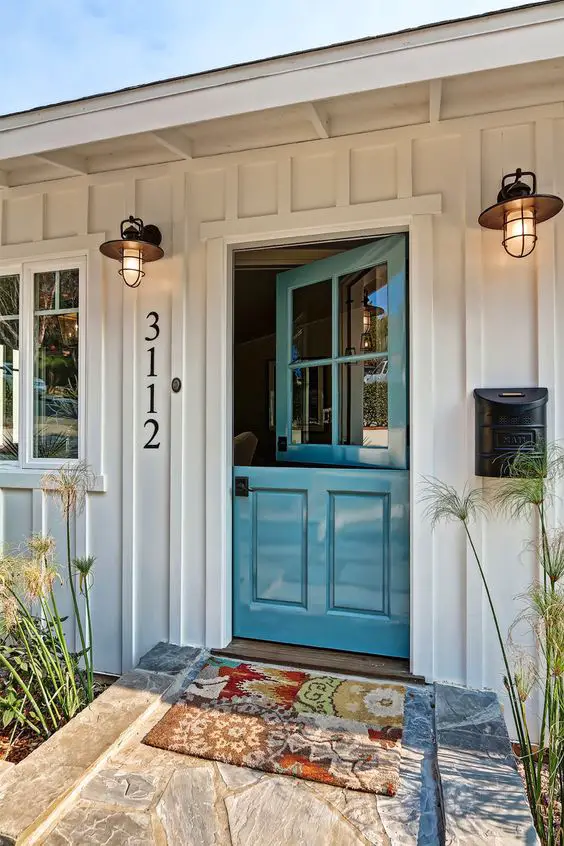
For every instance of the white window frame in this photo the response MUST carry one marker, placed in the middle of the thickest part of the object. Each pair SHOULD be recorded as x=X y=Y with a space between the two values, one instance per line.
x=60 y=254
x=27 y=340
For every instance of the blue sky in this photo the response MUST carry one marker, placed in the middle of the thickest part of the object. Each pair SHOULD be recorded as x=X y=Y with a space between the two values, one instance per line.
x=53 y=50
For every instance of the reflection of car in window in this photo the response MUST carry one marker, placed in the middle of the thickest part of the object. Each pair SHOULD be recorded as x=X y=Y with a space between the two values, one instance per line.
x=8 y=372
x=379 y=373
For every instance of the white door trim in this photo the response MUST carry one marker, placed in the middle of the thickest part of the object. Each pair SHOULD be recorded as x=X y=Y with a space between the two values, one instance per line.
x=219 y=399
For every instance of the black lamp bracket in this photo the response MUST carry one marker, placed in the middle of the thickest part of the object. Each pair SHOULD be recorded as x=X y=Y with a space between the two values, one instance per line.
x=133 y=229
x=517 y=188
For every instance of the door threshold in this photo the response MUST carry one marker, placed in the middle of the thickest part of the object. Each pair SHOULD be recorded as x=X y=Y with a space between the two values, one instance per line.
x=325 y=660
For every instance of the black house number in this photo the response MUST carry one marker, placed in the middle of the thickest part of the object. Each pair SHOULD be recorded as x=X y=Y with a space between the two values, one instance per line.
x=151 y=424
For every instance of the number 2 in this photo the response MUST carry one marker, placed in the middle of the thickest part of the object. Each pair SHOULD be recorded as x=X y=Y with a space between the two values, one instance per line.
x=155 y=425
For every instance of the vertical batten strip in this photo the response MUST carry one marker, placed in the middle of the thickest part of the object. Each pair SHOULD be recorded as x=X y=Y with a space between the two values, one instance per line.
x=343 y=177
x=129 y=461
x=473 y=306
x=38 y=523
x=422 y=594
x=177 y=446
x=285 y=185
x=546 y=277
x=545 y=266
x=232 y=192
x=83 y=190
x=218 y=446
x=39 y=234
x=404 y=168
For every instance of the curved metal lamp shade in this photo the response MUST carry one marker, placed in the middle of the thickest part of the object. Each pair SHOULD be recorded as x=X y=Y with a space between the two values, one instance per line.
x=518 y=211
x=138 y=244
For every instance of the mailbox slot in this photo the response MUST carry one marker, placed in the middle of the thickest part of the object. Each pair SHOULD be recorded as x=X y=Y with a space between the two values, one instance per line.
x=508 y=420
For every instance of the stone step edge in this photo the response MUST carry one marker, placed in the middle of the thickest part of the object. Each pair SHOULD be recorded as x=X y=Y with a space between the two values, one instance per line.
x=46 y=820
x=474 y=753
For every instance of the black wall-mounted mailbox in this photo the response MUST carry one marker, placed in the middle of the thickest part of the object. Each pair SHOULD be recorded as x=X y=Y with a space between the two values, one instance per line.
x=508 y=420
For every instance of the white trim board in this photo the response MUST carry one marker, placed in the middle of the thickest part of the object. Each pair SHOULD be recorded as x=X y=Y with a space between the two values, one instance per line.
x=219 y=396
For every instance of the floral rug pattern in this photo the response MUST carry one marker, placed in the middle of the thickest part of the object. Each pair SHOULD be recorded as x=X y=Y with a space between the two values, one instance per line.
x=339 y=731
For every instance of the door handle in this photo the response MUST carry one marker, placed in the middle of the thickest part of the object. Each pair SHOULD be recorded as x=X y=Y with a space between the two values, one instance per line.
x=242 y=486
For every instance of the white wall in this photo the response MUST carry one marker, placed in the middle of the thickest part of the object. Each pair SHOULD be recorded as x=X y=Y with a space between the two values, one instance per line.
x=495 y=324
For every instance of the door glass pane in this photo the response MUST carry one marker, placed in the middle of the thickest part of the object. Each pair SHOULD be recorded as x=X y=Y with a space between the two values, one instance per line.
x=363 y=311
x=364 y=403
x=55 y=374
x=311 y=405
x=311 y=321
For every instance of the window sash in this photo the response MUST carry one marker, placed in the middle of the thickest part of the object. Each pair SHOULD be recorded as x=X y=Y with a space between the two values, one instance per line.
x=27 y=316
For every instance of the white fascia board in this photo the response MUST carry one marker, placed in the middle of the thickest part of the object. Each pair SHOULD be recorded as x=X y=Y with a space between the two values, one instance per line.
x=527 y=35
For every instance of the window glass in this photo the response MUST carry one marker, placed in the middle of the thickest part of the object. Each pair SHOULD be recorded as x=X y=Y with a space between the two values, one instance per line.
x=363 y=311
x=9 y=367
x=311 y=405
x=364 y=402
x=311 y=321
x=55 y=372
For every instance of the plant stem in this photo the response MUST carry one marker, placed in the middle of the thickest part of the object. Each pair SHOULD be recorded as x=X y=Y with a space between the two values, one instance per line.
x=88 y=689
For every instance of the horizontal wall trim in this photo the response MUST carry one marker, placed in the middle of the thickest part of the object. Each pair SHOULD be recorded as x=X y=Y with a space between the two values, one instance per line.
x=55 y=248
x=383 y=212
x=31 y=479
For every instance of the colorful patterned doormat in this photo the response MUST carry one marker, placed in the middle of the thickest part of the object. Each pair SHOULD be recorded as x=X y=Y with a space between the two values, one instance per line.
x=339 y=731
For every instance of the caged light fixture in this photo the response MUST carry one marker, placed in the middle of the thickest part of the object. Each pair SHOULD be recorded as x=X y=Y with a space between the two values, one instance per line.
x=138 y=244
x=518 y=211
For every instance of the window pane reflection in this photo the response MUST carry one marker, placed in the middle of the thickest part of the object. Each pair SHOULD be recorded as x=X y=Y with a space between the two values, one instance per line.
x=364 y=403
x=311 y=405
x=55 y=376
x=363 y=310
x=9 y=389
x=311 y=321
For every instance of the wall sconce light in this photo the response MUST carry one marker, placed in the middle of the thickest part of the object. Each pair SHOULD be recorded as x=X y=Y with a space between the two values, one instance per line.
x=518 y=210
x=138 y=244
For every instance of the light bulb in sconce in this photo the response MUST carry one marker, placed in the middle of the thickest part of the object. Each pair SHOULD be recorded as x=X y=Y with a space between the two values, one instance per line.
x=132 y=267
x=520 y=232
x=138 y=244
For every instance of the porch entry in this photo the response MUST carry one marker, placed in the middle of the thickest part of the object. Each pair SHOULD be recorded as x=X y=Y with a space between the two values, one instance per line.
x=321 y=480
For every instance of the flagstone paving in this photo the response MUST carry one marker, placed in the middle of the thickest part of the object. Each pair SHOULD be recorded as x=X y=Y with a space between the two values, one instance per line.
x=148 y=796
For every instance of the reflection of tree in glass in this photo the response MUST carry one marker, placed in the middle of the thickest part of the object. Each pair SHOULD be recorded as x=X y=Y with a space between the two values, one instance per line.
x=57 y=351
x=379 y=332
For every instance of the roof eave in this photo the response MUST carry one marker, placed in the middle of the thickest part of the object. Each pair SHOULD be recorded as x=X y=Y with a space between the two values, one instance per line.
x=528 y=34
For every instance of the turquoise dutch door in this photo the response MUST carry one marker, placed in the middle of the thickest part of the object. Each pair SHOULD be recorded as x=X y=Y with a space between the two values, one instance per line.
x=321 y=539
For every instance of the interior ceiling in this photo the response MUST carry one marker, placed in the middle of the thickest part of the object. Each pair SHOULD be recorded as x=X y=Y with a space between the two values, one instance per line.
x=506 y=88
x=254 y=299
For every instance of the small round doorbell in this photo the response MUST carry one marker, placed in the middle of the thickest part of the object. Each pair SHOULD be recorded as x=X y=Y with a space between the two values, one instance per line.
x=176 y=385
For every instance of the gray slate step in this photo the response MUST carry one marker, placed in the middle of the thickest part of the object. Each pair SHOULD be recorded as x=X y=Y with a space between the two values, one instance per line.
x=484 y=800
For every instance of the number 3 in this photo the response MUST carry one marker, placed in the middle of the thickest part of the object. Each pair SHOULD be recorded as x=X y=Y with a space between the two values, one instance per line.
x=154 y=325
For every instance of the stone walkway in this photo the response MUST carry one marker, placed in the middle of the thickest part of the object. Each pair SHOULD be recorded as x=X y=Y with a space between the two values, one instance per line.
x=148 y=796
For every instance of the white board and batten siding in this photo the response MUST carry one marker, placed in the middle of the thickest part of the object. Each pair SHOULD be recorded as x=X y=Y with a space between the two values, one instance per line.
x=160 y=527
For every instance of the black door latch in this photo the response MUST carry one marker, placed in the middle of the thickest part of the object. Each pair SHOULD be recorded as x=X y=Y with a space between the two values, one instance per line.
x=242 y=486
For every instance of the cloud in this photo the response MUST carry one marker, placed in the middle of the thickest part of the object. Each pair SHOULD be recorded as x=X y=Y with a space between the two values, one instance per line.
x=54 y=50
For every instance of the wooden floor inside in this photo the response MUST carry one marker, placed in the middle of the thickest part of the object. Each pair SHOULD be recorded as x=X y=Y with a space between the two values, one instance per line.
x=326 y=660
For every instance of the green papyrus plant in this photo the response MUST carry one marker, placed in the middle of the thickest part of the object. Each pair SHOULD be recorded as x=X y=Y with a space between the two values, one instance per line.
x=43 y=683
x=69 y=485
x=527 y=492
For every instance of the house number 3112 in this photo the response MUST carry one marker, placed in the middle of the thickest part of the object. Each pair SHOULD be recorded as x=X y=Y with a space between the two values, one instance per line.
x=151 y=424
